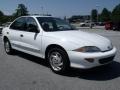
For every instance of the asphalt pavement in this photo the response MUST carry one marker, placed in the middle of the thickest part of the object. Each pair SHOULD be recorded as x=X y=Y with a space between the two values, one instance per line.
x=25 y=72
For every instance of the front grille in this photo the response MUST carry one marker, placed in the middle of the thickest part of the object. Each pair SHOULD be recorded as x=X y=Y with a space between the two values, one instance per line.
x=106 y=60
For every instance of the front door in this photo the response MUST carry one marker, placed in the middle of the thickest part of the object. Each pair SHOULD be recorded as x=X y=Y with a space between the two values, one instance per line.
x=31 y=40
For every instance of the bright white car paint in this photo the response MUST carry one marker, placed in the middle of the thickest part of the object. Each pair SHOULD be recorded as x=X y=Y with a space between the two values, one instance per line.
x=36 y=44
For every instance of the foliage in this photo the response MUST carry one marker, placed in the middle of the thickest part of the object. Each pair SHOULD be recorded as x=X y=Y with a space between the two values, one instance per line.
x=21 y=11
x=116 y=14
x=105 y=15
x=1 y=13
x=1 y=17
x=94 y=15
x=5 y=19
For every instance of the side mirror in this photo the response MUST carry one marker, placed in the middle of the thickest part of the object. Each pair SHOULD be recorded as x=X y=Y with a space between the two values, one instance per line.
x=33 y=28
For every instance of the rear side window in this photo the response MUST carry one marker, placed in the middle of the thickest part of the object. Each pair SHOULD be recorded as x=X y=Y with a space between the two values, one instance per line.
x=19 y=24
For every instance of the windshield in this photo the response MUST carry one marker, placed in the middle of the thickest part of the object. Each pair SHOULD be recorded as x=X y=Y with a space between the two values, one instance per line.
x=54 y=24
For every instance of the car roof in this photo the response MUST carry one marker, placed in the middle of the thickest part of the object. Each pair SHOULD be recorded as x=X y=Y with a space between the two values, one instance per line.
x=35 y=16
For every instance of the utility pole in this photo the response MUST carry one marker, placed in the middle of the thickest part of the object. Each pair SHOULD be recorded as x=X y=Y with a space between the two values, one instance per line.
x=97 y=7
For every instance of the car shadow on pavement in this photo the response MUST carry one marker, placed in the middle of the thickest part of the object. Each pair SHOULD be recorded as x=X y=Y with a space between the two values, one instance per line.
x=103 y=73
x=32 y=58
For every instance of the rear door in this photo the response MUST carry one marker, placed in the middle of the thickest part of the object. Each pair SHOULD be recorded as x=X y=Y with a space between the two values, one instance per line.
x=16 y=28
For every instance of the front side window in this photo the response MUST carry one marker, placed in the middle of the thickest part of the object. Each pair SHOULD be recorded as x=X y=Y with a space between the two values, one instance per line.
x=54 y=24
x=30 y=24
x=19 y=24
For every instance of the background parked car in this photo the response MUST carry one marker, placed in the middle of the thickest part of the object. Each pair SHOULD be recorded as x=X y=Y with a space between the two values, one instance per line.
x=112 y=26
x=82 y=24
x=87 y=24
x=6 y=24
x=108 y=25
x=116 y=26
x=100 y=23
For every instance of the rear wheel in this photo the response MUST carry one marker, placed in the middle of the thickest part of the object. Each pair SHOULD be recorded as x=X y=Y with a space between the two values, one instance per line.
x=58 y=60
x=7 y=47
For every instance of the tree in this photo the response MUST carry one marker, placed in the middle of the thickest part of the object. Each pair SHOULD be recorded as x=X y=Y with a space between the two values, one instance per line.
x=21 y=11
x=116 y=14
x=1 y=17
x=5 y=18
x=1 y=13
x=105 y=15
x=94 y=15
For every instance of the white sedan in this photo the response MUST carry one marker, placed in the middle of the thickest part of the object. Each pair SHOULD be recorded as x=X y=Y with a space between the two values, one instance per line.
x=58 y=42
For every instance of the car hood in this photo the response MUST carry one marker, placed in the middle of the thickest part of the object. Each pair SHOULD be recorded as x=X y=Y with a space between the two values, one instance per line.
x=81 y=38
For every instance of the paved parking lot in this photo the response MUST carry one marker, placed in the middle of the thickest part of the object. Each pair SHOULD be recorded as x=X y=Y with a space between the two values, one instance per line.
x=26 y=72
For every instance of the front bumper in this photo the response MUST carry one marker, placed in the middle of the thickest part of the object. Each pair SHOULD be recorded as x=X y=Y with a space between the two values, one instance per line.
x=77 y=59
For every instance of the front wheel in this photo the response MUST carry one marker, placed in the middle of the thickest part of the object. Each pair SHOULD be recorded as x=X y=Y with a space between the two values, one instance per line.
x=7 y=46
x=58 y=60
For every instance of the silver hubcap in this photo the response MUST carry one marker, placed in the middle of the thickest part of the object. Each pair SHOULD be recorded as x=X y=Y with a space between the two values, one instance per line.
x=7 y=46
x=56 y=61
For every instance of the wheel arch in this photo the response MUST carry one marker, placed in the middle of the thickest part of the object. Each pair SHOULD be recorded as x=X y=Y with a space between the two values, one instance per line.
x=54 y=46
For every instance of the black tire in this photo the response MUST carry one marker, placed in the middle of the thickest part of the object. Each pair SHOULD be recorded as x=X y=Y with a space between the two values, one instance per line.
x=64 y=60
x=7 y=47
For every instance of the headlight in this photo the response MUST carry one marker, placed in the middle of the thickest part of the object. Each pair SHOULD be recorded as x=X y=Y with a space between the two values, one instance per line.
x=88 y=49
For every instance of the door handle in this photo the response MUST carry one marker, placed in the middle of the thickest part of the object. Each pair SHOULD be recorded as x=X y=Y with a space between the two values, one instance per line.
x=21 y=35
